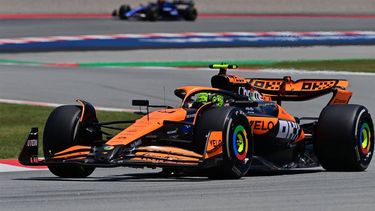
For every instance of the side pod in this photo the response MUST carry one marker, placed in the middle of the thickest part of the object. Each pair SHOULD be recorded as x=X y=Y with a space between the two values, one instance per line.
x=29 y=153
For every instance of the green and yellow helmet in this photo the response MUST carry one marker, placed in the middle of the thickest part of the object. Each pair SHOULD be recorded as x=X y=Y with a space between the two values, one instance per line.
x=202 y=97
x=218 y=100
x=205 y=97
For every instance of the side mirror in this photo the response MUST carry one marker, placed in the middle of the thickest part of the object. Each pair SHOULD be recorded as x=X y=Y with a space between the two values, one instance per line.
x=140 y=103
x=180 y=93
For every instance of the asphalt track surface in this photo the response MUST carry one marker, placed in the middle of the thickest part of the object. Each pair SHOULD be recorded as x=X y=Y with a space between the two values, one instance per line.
x=61 y=27
x=130 y=189
x=208 y=54
x=133 y=189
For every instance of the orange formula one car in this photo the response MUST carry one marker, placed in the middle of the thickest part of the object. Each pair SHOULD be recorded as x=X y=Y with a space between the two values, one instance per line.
x=225 y=130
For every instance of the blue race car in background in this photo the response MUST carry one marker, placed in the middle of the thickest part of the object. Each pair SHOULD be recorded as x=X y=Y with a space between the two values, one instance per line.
x=161 y=10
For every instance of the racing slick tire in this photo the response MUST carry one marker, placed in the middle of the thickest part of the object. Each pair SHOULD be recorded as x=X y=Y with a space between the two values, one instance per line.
x=344 y=138
x=237 y=140
x=62 y=131
x=122 y=10
x=190 y=14
x=152 y=13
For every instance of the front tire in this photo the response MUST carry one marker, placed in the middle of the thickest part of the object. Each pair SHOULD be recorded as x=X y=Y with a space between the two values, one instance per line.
x=237 y=140
x=62 y=130
x=344 y=138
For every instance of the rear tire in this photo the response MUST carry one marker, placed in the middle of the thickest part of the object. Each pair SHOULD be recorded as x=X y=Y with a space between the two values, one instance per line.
x=190 y=14
x=344 y=138
x=62 y=130
x=237 y=140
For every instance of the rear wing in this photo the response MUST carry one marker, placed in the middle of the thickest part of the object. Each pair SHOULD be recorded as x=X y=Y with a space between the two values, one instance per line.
x=281 y=89
x=285 y=89
x=304 y=89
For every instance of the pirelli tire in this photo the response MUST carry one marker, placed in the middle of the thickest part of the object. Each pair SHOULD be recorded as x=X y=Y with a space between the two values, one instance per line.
x=237 y=140
x=62 y=130
x=122 y=11
x=344 y=138
x=190 y=13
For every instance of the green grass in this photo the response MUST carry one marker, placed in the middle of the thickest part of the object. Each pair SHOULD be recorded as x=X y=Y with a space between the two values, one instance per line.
x=351 y=65
x=16 y=121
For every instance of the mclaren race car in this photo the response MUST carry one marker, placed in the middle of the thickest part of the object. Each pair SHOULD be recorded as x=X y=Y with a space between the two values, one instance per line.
x=225 y=130
x=161 y=10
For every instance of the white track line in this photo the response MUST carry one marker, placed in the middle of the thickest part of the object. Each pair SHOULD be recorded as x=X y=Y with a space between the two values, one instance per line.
x=12 y=168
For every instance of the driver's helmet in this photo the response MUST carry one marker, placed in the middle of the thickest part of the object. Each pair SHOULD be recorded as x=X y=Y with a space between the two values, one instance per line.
x=205 y=97
x=202 y=97
x=218 y=100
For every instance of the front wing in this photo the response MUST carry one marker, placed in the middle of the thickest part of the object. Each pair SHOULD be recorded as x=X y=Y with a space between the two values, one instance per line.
x=118 y=155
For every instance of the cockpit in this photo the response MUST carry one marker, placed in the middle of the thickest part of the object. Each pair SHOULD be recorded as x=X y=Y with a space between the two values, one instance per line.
x=202 y=97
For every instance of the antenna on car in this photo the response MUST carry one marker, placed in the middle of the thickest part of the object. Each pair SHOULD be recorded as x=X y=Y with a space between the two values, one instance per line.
x=141 y=103
x=223 y=67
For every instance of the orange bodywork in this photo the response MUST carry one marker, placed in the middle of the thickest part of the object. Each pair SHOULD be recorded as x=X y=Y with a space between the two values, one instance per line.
x=341 y=97
x=147 y=124
x=235 y=79
x=214 y=144
x=304 y=89
x=299 y=85
x=74 y=151
x=169 y=150
x=261 y=125
x=162 y=154
x=285 y=115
